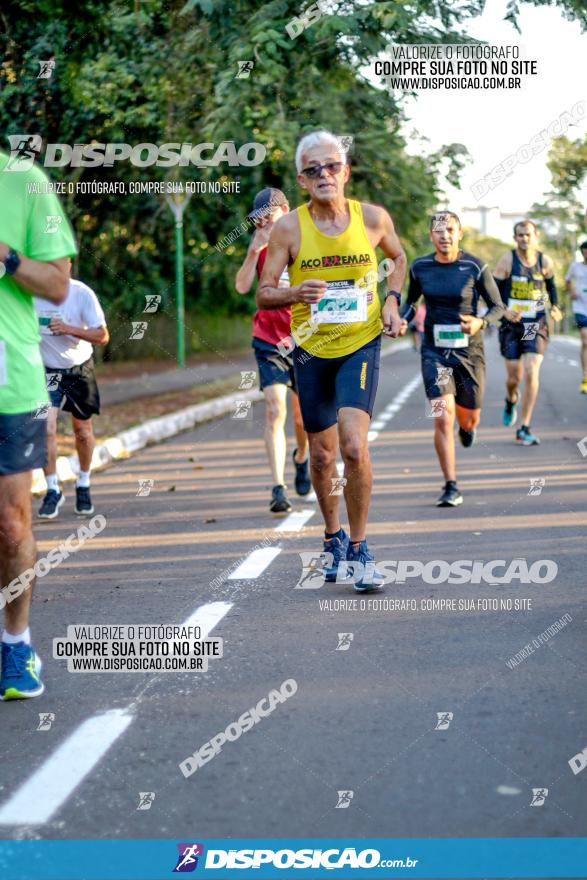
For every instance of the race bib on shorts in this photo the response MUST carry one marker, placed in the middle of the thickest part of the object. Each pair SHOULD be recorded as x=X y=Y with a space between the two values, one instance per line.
x=343 y=303
x=3 y=370
x=526 y=307
x=450 y=336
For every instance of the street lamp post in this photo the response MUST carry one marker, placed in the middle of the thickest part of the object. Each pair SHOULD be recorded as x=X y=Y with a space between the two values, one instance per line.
x=178 y=202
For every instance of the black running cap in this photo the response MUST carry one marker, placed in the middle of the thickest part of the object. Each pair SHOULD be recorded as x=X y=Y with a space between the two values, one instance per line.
x=266 y=200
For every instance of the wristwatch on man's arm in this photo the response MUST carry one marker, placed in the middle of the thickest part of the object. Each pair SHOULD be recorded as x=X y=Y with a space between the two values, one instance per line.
x=11 y=262
x=395 y=293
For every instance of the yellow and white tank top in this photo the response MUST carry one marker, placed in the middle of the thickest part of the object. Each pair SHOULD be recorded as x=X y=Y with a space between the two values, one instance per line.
x=347 y=316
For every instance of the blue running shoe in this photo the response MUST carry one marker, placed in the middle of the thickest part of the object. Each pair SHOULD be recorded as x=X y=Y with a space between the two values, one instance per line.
x=21 y=669
x=369 y=578
x=510 y=413
x=338 y=547
x=525 y=436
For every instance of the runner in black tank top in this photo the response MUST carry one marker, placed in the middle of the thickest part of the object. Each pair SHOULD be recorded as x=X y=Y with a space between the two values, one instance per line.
x=452 y=283
x=526 y=282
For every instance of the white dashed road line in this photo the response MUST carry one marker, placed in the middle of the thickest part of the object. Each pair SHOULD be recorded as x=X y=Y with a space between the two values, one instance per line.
x=295 y=521
x=254 y=564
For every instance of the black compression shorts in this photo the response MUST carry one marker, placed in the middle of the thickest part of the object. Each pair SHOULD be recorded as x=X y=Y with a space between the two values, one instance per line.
x=327 y=384
x=460 y=372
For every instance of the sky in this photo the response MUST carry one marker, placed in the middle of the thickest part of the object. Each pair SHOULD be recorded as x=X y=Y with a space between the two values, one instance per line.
x=493 y=125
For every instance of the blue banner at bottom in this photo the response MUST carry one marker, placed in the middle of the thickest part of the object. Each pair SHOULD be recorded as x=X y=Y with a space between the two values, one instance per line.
x=273 y=859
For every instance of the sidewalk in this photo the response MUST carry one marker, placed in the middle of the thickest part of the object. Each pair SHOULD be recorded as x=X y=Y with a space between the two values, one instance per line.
x=116 y=386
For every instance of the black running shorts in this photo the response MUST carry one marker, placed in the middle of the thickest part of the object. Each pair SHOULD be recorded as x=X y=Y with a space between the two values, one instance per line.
x=525 y=337
x=275 y=368
x=23 y=442
x=327 y=384
x=460 y=372
x=74 y=390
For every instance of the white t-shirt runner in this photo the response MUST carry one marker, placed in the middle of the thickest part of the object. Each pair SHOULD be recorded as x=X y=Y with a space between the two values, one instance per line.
x=578 y=275
x=80 y=309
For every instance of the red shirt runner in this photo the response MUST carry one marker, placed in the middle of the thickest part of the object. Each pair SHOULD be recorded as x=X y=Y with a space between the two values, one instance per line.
x=270 y=325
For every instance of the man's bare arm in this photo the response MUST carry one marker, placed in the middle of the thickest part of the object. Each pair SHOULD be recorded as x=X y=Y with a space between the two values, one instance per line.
x=269 y=294
x=48 y=279
x=504 y=267
x=95 y=335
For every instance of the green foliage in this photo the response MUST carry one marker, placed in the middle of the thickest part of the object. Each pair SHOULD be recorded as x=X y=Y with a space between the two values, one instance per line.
x=159 y=72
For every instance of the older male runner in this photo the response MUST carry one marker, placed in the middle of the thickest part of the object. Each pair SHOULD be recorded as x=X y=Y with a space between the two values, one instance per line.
x=525 y=278
x=35 y=243
x=329 y=245
x=453 y=283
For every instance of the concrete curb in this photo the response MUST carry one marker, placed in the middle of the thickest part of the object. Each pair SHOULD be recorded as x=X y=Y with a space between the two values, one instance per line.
x=122 y=445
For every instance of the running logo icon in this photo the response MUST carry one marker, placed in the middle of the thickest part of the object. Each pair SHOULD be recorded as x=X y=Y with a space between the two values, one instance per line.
x=145 y=487
x=344 y=800
x=312 y=576
x=444 y=719
x=536 y=485
x=338 y=484
x=437 y=408
x=24 y=149
x=46 y=719
x=138 y=329
x=443 y=375
x=530 y=331
x=152 y=302
x=187 y=860
x=146 y=799
x=52 y=223
x=245 y=69
x=242 y=410
x=247 y=379
x=539 y=795
x=344 y=641
x=47 y=68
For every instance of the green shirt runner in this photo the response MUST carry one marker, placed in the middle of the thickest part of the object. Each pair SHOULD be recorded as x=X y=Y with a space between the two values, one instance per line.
x=34 y=224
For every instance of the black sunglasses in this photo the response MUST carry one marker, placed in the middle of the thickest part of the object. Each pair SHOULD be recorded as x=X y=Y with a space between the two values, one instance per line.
x=316 y=170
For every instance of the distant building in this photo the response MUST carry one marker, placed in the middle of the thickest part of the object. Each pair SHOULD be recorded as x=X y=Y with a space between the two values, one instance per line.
x=490 y=220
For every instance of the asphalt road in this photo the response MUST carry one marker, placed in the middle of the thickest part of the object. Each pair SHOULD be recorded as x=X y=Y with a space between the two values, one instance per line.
x=363 y=719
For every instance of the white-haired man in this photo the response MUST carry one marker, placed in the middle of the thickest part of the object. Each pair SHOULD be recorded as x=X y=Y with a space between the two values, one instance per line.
x=328 y=245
